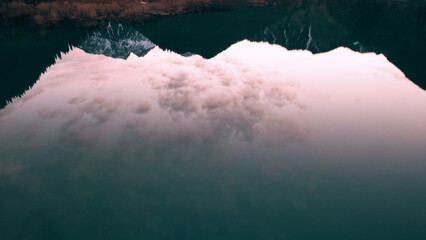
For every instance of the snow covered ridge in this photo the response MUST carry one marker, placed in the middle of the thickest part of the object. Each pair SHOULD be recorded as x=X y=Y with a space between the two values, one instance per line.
x=251 y=95
x=117 y=41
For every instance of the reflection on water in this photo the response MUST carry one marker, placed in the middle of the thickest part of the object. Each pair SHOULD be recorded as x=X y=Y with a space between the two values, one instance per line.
x=313 y=29
x=255 y=143
x=24 y=56
x=394 y=28
x=217 y=137
x=117 y=41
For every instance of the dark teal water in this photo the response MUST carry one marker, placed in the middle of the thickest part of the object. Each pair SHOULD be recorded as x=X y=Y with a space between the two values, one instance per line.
x=185 y=188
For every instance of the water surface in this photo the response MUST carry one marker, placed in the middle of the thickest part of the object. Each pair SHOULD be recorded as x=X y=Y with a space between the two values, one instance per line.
x=181 y=129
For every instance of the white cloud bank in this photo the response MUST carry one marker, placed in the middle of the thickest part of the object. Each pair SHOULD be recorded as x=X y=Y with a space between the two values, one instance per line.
x=251 y=96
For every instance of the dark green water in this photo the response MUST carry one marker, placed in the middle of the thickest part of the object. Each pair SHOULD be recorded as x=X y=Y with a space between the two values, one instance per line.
x=181 y=187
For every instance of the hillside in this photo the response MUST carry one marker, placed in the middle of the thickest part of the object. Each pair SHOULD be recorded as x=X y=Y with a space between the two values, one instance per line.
x=52 y=13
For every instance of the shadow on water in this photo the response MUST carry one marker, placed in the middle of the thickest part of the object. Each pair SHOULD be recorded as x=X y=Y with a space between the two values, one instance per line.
x=394 y=28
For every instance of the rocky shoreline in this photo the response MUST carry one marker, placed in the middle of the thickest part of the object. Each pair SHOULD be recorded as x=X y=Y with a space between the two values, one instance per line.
x=88 y=13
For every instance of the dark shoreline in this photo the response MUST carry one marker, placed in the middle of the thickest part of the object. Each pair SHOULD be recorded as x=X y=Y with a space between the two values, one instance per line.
x=50 y=14
x=60 y=13
x=91 y=13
